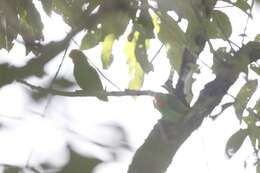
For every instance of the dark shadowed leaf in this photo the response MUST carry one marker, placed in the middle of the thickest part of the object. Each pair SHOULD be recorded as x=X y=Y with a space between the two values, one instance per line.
x=255 y=68
x=182 y=8
x=257 y=37
x=79 y=163
x=60 y=83
x=141 y=47
x=30 y=23
x=9 y=24
x=244 y=96
x=218 y=26
x=70 y=10
x=11 y=169
x=171 y=35
x=254 y=135
x=235 y=142
x=91 y=39
x=114 y=22
x=146 y=21
x=5 y=74
x=47 y=6
x=251 y=120
x=257 y=108
x=258 y=168
x=243 y=5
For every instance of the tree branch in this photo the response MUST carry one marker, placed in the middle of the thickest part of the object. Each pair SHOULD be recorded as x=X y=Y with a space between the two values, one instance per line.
x=155 y=155
x=82 y=93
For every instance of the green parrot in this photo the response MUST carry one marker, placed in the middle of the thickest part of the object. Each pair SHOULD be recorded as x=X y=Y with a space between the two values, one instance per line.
x=86 y=76
x=170 y=107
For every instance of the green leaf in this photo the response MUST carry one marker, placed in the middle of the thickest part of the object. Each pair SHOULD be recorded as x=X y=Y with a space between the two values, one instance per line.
x=244 y=96
x=257 y=107
x=181 y=7
x=9 y=24
x=218 y=26
x=253 y=117
x=106 y=54
x=254 y=137
x=79 y=163
x=31 y=25
x=62 y=83
x=114 y=22
x=71 y=10
x=146 y=21
x=243 y=5
x=91 y=39
x=47 y=6
x=250 y=119
x=257 y=38
x=171 y=35
x=255 y=68
x=223 y=108
x=141 y=48
x=11 y=169
x=142 y=57
x=235 y=142
x=257 y=168
x=136 y=72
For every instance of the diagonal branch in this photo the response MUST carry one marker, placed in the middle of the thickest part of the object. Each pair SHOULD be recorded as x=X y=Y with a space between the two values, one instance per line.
x=156 y=154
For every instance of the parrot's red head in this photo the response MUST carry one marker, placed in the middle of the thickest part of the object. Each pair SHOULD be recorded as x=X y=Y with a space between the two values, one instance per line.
x=158 y=101
x=74 y=54
x=78 y=57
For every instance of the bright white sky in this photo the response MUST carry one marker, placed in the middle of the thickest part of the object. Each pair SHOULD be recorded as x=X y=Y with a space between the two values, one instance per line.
x=44 y=138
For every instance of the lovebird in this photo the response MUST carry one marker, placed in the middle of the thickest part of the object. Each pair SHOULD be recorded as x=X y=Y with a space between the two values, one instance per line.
x=171 y=108
x=86 y=76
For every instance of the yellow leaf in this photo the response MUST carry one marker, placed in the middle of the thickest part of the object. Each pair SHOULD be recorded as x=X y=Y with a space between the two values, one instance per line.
x=136 y=72
x=106 y=54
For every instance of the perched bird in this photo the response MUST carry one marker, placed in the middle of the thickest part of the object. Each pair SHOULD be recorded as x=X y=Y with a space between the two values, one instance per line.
x=171 y=108
x=86 y=76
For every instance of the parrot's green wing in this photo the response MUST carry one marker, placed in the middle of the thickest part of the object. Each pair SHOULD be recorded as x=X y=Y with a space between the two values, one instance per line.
x=170 y=107
x=86 y=76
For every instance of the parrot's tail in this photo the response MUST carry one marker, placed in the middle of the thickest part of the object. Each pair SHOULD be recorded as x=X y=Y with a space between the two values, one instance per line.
x=103 y=97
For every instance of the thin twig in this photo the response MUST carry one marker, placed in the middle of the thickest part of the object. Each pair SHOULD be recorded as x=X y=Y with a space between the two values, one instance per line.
x=157 y=53
x=52 y=82
x=205 y=64
x=247 y=22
